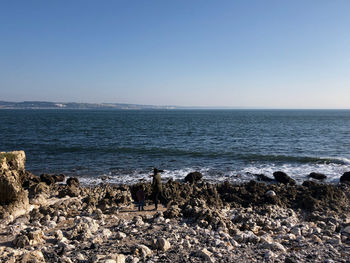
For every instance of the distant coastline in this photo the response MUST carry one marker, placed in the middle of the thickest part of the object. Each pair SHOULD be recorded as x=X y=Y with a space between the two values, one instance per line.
x=47 y=105
x=76 y=105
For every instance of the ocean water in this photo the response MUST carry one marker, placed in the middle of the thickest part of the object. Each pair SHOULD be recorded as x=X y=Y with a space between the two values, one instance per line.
x=125 y=145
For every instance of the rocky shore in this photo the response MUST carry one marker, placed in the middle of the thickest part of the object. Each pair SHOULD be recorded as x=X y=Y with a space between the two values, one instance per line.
x=50 y=218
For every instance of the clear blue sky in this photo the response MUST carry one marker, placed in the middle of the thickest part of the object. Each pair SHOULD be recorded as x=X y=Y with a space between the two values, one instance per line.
x=274 y=54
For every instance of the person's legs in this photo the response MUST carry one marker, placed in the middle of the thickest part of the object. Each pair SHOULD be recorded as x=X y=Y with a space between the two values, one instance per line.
x=156 y=196
x=163 y=199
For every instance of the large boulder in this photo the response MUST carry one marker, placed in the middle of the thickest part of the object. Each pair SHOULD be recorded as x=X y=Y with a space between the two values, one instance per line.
x=283 y=178
x=12 y=160
x=193 y=177
x=345 y=177
x=13 y=198
x=317 y=176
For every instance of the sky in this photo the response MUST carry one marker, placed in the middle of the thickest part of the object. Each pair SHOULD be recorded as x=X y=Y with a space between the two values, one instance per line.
x=251 y=54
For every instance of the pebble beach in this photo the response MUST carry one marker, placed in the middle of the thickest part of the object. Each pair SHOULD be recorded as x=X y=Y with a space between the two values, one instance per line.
x=50 y=218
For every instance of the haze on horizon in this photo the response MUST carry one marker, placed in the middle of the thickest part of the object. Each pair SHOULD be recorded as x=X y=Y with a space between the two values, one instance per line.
x=268 y=54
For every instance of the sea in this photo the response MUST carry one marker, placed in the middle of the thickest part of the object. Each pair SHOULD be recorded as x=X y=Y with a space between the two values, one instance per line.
x=123 y=146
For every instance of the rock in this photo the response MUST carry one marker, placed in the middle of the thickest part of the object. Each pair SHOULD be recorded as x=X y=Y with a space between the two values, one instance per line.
x=316 y=239
x=269 y=255
x=33 y=256
x=345 y=177
x=106 y=233
x=317 y=176
x=73 y=181
x=12 y=160
x=309 y=184
x=42 y=188
x=21 y=241
x=47 y=178
x=283 y=178
x=347 y=230
x=83 y=229
x=35 y=237
x=58 y=235
x=13 y=198
x=119 y=258
x=262 y=177
x=143 y=250
x=193 y=177
x=120 y=235
x=275 y=246
x=270 y=193
x=59 y=178
x=205 y=255
x=161 y=244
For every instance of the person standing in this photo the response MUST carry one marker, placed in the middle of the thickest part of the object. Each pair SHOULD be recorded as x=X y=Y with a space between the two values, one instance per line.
x=140 y=195
x=157 y=187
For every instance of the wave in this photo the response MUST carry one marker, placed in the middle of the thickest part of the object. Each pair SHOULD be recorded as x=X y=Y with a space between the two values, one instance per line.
x=173 y=152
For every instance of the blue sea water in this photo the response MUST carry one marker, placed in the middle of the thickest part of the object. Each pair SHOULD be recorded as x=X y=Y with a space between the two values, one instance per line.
x=222 y=144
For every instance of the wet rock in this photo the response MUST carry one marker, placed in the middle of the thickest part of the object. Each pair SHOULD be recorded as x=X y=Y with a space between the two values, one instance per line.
x=264 y=178
x=193 y=177
x=283 y=178
x=345 y=177
x=318 y=176
x=309 y=184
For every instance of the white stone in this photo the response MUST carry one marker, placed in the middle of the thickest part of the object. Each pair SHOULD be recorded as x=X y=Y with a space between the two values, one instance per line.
x=120 y=258
x=80 y=256
x=144 y=250
x=162 y=244
x=270 y=193
x=120 y=235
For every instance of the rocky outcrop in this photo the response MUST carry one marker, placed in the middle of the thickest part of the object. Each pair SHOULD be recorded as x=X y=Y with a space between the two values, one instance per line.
x=13 y=198
x=283 y=178
x=193 y=177
x=345 y=178
x=317 y=176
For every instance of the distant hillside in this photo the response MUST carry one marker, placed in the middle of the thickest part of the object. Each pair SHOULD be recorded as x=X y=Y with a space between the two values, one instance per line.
x=75 y=105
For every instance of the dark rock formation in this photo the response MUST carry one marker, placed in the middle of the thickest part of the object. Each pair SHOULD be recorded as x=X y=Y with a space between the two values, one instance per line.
x=264 y=178
x=47 y=178
x=283 y=178
x=317 y=176
x=193 y=177
x=73 y=181
x=345 y=177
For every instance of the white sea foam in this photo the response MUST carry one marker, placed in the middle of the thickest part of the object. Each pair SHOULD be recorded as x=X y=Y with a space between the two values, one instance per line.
x=300 y=173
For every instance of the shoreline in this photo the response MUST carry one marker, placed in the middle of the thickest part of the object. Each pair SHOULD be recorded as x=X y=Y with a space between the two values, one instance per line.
x=51 y=221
